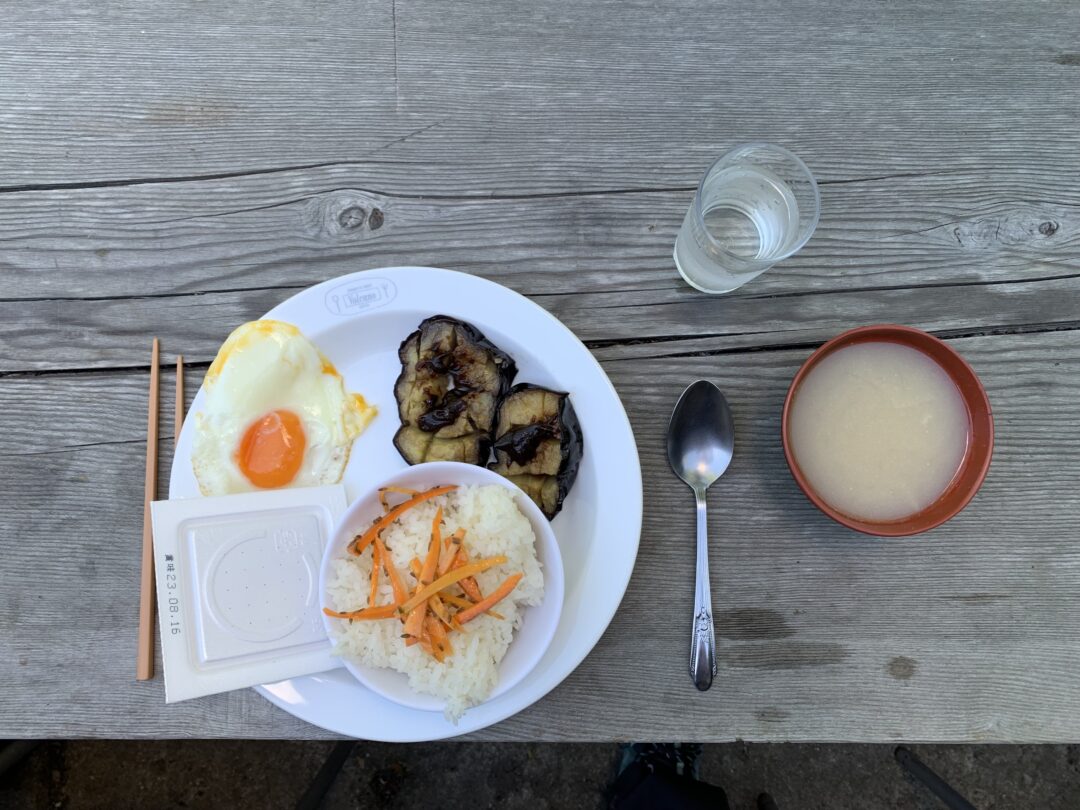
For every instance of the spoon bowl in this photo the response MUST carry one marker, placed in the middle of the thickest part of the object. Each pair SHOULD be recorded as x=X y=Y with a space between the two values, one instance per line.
x=701 y=435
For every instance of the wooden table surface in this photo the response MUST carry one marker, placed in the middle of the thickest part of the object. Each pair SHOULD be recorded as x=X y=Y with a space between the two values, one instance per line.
x=176 y=168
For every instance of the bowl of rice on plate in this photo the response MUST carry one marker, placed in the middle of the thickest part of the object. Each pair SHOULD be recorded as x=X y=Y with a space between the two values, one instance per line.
x=442 y=588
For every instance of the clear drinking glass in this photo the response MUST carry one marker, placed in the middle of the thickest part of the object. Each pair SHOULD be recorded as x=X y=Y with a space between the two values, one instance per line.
x=756 y=205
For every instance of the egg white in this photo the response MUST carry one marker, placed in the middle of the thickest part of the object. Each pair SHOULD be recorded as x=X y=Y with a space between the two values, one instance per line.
x=264 y=366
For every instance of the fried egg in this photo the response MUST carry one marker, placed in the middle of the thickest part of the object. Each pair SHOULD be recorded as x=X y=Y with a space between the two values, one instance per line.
x=275 y=414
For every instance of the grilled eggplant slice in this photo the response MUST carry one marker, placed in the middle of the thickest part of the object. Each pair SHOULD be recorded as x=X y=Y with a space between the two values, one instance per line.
x=538 y=444
x=452 y=379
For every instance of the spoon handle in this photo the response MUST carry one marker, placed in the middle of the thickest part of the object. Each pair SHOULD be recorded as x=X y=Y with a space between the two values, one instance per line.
x=703 y=640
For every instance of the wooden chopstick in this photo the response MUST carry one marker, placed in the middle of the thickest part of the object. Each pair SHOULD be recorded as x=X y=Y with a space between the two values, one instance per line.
x=144 y=665
x=179 y=399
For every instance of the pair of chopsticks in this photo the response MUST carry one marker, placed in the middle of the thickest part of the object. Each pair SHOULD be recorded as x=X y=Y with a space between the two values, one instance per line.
x=144 y=663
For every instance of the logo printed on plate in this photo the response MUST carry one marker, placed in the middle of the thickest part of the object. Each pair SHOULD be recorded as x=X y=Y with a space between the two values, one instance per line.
x=354 y=297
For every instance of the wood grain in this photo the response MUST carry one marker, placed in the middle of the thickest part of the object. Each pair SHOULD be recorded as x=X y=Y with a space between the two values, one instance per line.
x=177 y=168
x=967 y=633
x=496 y=97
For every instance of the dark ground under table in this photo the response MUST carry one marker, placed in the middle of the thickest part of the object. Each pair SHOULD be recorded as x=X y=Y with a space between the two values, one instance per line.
x=272 y=774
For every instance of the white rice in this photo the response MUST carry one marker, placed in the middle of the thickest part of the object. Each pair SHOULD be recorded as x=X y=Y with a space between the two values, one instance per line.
x=493 y=525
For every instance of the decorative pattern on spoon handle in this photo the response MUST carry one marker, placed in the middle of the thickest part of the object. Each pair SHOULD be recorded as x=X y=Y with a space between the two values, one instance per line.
x=703 y=640
x=702 y=654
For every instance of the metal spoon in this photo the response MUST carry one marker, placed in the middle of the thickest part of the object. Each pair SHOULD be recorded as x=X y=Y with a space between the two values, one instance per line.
x=700 y=443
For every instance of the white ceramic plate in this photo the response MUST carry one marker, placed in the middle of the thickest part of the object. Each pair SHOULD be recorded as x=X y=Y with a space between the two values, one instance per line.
x=539 y=622
x=358 y=321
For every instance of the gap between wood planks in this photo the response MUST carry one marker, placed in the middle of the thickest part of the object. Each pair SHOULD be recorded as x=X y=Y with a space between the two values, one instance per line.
x=143 y=296
x=195 y=178
x=944 y=334
x=83 y=372
x=593 y=344
x=67 y=448
x=658 y=340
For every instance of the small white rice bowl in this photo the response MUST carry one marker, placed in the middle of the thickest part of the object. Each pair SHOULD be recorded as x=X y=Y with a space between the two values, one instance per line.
x=493 y=525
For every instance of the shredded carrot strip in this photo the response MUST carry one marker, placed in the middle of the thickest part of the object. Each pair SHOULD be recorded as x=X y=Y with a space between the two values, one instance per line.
x=448 y=579
x=425 y=645
x=469 y=585
x=461 y=602
x=472 y=590
x=438 y=608
x=456 y=601
x=456 y=537
x=380 y=612
x=493 y=598
x=384 y=491
x=375 y=565
x=440 y=642
x=431 y=562
x=449 y=552
x=400 y=592
x=363 y=541
x=414 y=624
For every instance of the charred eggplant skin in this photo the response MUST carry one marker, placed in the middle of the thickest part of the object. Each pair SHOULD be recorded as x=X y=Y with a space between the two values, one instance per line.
x=521 y=444
x=451 y=382
x=573 y=447
x=518 y=446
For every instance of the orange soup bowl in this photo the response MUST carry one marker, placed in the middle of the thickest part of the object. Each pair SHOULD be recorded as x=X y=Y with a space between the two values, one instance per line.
x=980 y=447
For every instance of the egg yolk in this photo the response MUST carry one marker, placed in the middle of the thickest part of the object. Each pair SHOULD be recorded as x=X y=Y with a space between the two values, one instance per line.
x=272 y=450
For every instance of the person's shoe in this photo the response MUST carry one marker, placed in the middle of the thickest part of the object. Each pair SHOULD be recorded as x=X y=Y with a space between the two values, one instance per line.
x=681 y=758
x=665 y=776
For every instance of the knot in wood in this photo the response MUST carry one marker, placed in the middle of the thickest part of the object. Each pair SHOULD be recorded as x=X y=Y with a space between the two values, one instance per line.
x=352 y=218
x=1008 y=228
x=342 y=214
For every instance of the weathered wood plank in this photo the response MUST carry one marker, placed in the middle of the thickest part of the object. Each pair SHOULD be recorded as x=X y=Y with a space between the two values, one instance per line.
x=298 y=228
x=112 y=333
x=968 y=633
x=83 y=271
x=542 y=98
